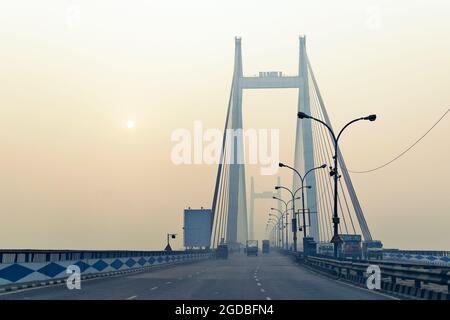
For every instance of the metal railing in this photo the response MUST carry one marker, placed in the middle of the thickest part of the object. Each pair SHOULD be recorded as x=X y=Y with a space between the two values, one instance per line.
x=391 y=270
x=23 y=256
x=418 y=252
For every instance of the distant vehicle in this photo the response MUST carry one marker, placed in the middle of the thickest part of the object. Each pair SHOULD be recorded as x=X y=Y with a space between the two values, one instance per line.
x=265 y=246
x=252 y=248
x=372 y=249
x=325 y=249
x=351 y=246
x=222 y=251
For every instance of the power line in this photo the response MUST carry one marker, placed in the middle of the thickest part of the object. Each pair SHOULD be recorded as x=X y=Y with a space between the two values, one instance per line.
x=409 y=148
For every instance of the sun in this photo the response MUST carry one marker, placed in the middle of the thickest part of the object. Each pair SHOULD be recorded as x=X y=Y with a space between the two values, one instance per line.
x=130 y=124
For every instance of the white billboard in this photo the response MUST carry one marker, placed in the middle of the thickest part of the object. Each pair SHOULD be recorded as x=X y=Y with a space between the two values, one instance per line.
x=197 y=227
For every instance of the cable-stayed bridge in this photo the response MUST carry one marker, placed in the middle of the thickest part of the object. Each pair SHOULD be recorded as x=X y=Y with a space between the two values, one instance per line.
x=319 y=204
x=313 y=147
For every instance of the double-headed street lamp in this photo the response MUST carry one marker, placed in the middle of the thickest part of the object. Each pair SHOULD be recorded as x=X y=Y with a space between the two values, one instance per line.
x=278 y=228
x=286 y=217
x=302 y=180
x=294 y=214
x=272 y=232
x=280 y=225
x=334 y=172
x=276 y=232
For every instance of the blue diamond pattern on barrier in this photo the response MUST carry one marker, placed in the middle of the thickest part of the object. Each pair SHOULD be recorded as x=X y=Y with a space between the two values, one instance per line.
x=82 y=265
x=116 y=264
x=151 y=260
x=100 y=265
x=130 y=262
x=446 y=259
x=141 y=261
x=15 y=272
x=167 y=259
x=431 y=258
x=159 y=259
x=419 y=257
x=51 y=270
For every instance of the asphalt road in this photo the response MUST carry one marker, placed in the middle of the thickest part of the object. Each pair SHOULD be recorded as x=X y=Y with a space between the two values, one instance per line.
x=265 y=277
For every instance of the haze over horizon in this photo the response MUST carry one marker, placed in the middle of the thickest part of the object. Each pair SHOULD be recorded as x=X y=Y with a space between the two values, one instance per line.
x=92 y=91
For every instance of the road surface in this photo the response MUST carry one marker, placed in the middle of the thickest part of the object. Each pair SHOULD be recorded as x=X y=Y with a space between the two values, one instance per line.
x=265 y=277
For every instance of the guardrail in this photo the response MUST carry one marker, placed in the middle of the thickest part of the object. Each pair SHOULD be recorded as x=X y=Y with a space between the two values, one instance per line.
x=420 y=252
x=355 y=271
x=33 y=255
x=419 y=256
x=42 y=267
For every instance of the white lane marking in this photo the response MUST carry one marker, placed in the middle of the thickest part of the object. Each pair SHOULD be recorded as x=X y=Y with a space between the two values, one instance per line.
x=367 y=290
x=256 y=279
x=131 y=298
x=262 y=290
x=268 y=298
x=154 y=288
x=168 y=282
x=351 y=285
x=258 y=284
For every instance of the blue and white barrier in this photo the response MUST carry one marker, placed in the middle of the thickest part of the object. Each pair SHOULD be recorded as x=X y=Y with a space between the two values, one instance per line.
x=440 y=258
x=28 y=266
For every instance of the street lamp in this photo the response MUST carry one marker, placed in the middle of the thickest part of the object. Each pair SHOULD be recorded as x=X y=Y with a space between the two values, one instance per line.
x=170 y=235
x=302 y=180
x=274 y=230
x=334 y=172
x=294 y=214
x=280 y=226
x=286 y=218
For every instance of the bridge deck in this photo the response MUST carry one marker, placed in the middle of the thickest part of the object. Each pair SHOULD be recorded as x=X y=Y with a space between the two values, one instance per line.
x=270 y=276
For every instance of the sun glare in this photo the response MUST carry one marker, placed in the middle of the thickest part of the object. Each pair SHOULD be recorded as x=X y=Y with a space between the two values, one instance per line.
x=130 y=124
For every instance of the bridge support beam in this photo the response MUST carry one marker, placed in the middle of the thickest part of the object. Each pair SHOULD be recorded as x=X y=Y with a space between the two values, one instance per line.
x=304 y=149
x=237 y=202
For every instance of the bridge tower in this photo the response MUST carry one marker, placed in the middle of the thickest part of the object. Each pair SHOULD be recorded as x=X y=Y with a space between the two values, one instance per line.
x=231 y=219
x=312 y=149
x=304 y=147
x=237 y=230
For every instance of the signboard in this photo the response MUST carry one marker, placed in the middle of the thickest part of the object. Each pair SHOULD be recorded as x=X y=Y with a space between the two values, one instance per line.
x=351 y=237
x=197 y=227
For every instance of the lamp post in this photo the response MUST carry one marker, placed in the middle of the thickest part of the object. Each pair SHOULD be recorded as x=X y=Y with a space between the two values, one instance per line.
x=336 y=240
x=302 y=180
x=286 y=217
x=272 y=223
x=294 y=214
x=169 y=235
x=280 y=228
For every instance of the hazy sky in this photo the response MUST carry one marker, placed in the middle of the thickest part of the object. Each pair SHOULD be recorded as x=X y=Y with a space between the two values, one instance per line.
x=72 y=175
